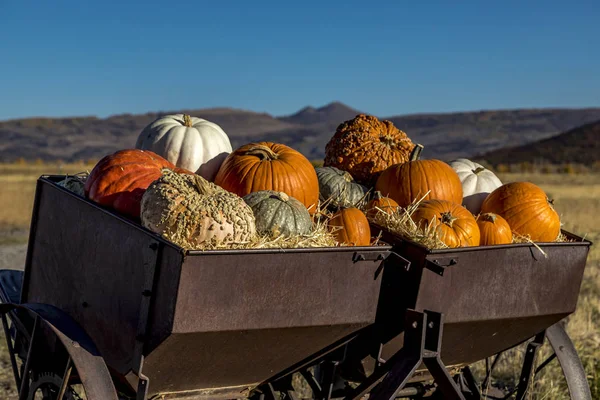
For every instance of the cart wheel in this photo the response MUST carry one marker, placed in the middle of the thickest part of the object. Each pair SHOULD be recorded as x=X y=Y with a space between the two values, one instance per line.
x=56 y=356
x=501 y=377
x=47 y=386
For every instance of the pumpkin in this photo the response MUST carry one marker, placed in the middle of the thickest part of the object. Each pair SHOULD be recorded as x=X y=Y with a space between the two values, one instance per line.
x=188 y=142
x=350 y=226
x=270 y=166
x=277 y=214
x=365 y=146
x=527 y=210
x=191 y=211
x=477 y=182
x=119 y=180
x=411 y=180
x=339 y=187
x=74 y=183
x=379 y=204
x=493 y=229
x=454 y=224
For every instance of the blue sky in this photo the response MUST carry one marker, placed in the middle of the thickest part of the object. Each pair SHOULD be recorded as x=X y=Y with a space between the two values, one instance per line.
x=67 y=58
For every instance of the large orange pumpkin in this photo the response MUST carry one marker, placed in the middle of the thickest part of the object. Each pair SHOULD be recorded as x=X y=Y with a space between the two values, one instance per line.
x=350 y=226
x=455 y=225
x=270 y=166
x=365 y=146
x=493 y=229
x=379 y=203
x=411 y=180
x=527 y=210
x=119 y=180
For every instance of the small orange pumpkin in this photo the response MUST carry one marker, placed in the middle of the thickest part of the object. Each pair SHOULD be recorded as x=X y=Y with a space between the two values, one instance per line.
x=350 y=226
x=411 y=180
x=270 y=166
x=493 y=229
x=380 y=203
x=527 y=210
x=455 y=225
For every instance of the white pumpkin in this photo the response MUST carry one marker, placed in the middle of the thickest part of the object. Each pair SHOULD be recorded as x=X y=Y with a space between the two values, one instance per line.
x=188 y=142
x=477 y=182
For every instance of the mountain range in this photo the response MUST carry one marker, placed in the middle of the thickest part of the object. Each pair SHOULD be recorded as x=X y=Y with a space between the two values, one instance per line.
x=444 y=135
x=580 y=145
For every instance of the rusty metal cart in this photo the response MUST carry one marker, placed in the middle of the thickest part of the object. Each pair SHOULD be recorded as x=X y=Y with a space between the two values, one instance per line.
x=106 y=309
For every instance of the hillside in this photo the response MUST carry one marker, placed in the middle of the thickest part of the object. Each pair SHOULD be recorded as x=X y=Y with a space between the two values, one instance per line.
x=580 y=145
x=445 y=136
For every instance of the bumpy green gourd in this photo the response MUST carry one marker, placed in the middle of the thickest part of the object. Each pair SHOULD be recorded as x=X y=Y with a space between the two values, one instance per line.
x=192 y=212
x=276 y=214
x=340 y=187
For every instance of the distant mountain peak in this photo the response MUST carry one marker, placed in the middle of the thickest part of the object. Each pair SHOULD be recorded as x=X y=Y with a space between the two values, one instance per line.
x=335 y=110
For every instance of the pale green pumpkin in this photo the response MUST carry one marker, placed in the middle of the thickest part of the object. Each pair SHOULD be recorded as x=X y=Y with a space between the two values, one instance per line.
x=276 y=214
x=339 y=188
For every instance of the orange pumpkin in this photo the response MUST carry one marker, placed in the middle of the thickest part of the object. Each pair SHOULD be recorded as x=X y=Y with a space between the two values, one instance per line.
x=527 y=210
x=493 y=229
x=270 y=166
x=119 y=180
x=380 y=203
x=455 y=225
x=365 y=146
x=411 y=180
x=350 y=226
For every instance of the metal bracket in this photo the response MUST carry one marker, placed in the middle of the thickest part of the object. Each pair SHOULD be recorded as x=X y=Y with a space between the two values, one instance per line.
x=438 y=265
x=370 y=256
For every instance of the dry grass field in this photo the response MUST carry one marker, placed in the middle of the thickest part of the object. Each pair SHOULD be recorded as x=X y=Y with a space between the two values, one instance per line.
x=577 y=199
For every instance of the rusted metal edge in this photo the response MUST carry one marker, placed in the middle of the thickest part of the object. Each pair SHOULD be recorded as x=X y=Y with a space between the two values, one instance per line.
x=90 y=365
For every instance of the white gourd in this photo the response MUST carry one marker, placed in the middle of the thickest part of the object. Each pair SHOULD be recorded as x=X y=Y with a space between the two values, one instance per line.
x=477 y=182
x=188 y=142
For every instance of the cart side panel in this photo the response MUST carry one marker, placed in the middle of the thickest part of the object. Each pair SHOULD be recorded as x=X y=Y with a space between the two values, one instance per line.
x=278 y=291
x=93 y=255
x=505 y=283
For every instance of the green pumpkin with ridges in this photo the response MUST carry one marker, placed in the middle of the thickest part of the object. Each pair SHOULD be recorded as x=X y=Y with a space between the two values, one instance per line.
x=340 y=187
x=276 y=214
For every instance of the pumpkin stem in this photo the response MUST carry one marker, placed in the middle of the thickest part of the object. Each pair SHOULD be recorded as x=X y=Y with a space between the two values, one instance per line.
x=448 y=218
x=281 y=196
x=187 y=120
x=478 y=170
x=416 y=152
x=489 y=217
x=262 y=152
x=202 y=185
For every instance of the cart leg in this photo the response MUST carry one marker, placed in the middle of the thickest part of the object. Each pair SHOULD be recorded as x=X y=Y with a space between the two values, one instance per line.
x=528 y=363
x=400 y=366
x=569 y=361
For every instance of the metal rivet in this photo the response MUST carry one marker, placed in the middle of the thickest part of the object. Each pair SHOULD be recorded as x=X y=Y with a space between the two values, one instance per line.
x=414 y=324
x=430 y=325
x=75 y=344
